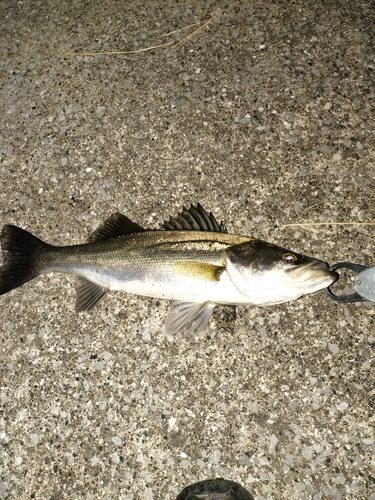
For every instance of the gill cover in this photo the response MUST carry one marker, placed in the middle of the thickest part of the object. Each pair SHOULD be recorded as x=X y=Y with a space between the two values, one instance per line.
x=257 y=269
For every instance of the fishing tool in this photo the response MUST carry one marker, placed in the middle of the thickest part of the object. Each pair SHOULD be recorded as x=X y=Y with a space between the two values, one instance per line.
x=364 y=283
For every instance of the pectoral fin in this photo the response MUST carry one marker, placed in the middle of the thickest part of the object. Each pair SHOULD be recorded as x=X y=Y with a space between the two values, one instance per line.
x=88 y=294
x=188 y=319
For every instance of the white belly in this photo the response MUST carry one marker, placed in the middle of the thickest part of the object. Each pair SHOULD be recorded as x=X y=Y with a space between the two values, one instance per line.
x=222 y=291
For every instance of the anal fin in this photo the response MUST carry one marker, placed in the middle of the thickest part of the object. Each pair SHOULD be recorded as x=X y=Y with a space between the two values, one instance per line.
x=188 y=319
x=89 y=294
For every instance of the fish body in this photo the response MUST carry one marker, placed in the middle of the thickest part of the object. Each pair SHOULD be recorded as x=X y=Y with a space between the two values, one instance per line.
x=155 y=264
x=192 y=261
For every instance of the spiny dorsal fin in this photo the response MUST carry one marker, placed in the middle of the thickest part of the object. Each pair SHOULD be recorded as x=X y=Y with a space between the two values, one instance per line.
x=194 y=219
x=116 y=225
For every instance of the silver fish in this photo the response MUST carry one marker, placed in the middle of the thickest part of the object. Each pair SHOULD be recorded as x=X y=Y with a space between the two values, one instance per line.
x=191 y=260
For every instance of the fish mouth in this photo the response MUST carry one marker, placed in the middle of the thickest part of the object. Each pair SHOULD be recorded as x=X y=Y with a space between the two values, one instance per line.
x=317 y=270
x=319 y=265
x=323 y=266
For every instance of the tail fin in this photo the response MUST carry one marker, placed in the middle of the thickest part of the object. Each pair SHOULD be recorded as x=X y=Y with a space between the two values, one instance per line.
x=20 y=251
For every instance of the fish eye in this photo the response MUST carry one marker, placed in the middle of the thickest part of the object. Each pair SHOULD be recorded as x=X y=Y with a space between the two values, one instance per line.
x=289 y=257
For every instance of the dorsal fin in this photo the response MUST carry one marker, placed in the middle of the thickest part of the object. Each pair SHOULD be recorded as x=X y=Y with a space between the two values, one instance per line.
x=116 y=225
x=194 y=219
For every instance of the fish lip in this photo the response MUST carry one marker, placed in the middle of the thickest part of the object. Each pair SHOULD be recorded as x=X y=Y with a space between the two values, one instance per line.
x=318 y=265
x=334 y=276
x=323 y=266
x=315 y=265
x=329 y=279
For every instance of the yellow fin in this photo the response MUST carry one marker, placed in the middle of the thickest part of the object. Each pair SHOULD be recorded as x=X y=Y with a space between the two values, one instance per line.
x=200 y=270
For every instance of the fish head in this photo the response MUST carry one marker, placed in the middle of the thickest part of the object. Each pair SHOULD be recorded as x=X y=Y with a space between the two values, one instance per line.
x=268 y=274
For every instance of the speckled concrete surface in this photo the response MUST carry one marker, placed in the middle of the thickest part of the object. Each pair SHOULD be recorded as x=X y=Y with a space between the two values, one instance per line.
x=266 y=117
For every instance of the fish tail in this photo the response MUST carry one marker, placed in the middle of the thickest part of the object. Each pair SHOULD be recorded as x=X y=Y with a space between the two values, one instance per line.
x=20 y=250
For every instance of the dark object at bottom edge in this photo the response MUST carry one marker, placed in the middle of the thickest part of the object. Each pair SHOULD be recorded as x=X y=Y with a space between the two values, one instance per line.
x=215 y=489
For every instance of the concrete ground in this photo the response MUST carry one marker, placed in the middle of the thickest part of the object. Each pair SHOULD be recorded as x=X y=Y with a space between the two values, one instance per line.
x=266 y=117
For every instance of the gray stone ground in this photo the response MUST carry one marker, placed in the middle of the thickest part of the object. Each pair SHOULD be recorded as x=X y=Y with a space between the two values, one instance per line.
x=266 y=117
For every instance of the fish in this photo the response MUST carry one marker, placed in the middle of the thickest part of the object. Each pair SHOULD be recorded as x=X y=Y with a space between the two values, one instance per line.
x=190 y=259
